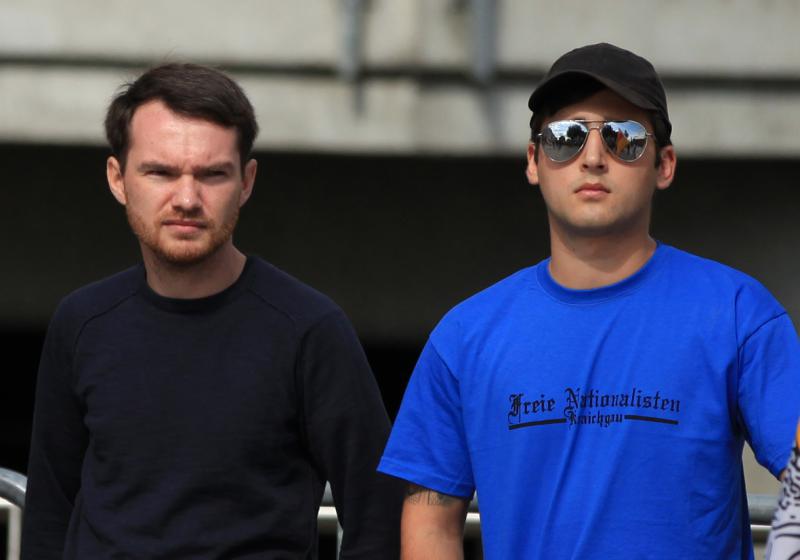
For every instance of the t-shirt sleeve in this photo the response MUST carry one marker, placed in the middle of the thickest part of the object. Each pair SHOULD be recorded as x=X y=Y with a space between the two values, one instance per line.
x=346 y=427
x=769 y=390
x=428 y=445
x=58 y=446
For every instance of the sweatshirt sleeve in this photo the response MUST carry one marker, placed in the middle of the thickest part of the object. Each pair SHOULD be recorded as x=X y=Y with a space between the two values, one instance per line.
x=347 y=427
x=58 y=445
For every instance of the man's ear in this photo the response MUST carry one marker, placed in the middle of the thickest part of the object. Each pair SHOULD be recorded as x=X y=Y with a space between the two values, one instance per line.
x=532 y=169
x=116 y=182
x=248 y=181
x=666 y=169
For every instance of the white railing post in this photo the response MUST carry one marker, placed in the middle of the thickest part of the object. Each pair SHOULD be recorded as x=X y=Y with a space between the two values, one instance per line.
x=13 y=520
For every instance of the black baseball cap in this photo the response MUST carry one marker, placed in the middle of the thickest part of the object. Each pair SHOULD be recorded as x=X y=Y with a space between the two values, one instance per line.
x=627 y=74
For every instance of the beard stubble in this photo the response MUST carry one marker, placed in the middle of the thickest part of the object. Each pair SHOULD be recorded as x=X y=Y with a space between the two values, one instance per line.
x=182 y=252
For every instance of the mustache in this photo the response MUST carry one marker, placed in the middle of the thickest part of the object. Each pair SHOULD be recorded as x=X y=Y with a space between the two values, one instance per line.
x=192 y=216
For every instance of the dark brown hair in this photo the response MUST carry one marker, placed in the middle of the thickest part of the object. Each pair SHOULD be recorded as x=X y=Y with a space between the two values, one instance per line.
x=191 y=90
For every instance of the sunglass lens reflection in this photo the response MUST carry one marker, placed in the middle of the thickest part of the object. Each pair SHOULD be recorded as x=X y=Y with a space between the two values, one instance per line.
x=626 y=140
x=562 y=140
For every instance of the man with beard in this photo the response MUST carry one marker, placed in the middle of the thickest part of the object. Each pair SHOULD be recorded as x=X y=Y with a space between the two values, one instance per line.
x=194 y=405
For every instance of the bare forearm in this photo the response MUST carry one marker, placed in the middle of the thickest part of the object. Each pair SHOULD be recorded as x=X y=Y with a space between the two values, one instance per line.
x=423 y=546
x=432 y=525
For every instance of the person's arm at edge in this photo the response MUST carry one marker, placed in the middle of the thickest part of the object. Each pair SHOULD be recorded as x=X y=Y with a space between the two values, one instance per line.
x=432 y=525
x=59 y=442
x=347 y=427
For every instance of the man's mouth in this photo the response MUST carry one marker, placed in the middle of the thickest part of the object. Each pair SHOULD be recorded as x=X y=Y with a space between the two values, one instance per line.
x=184 y=223
x=590 y=188
x=184 y=227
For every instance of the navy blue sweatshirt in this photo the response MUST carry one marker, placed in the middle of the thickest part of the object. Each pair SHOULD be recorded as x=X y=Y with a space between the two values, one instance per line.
x=206 y=428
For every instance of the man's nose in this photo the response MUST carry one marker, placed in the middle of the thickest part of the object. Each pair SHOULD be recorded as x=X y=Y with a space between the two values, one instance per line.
x=187 y=194
x=594 y=152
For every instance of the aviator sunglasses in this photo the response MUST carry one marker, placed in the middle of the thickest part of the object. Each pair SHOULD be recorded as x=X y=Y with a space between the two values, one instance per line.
x=563 y=140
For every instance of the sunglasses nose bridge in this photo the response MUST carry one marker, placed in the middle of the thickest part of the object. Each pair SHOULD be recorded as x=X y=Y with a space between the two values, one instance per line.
x=594 y=147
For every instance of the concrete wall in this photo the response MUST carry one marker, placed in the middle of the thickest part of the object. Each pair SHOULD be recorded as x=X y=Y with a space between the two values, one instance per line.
x=715 y=37
x=731 y=65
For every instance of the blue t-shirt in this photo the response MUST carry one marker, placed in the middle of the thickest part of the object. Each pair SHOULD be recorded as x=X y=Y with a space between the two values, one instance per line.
x=605 y=423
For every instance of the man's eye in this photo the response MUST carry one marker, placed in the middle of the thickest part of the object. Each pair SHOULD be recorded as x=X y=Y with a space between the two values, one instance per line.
x=215 y=174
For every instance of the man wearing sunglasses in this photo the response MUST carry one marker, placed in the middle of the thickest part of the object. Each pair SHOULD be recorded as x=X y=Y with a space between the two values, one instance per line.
x=599 y=400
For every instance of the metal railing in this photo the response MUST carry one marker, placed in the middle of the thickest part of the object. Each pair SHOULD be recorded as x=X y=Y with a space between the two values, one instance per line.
x=12 y=487
x=12 y=501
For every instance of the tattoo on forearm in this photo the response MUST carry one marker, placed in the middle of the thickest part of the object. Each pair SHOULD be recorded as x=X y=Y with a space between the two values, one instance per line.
x=417 y=494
